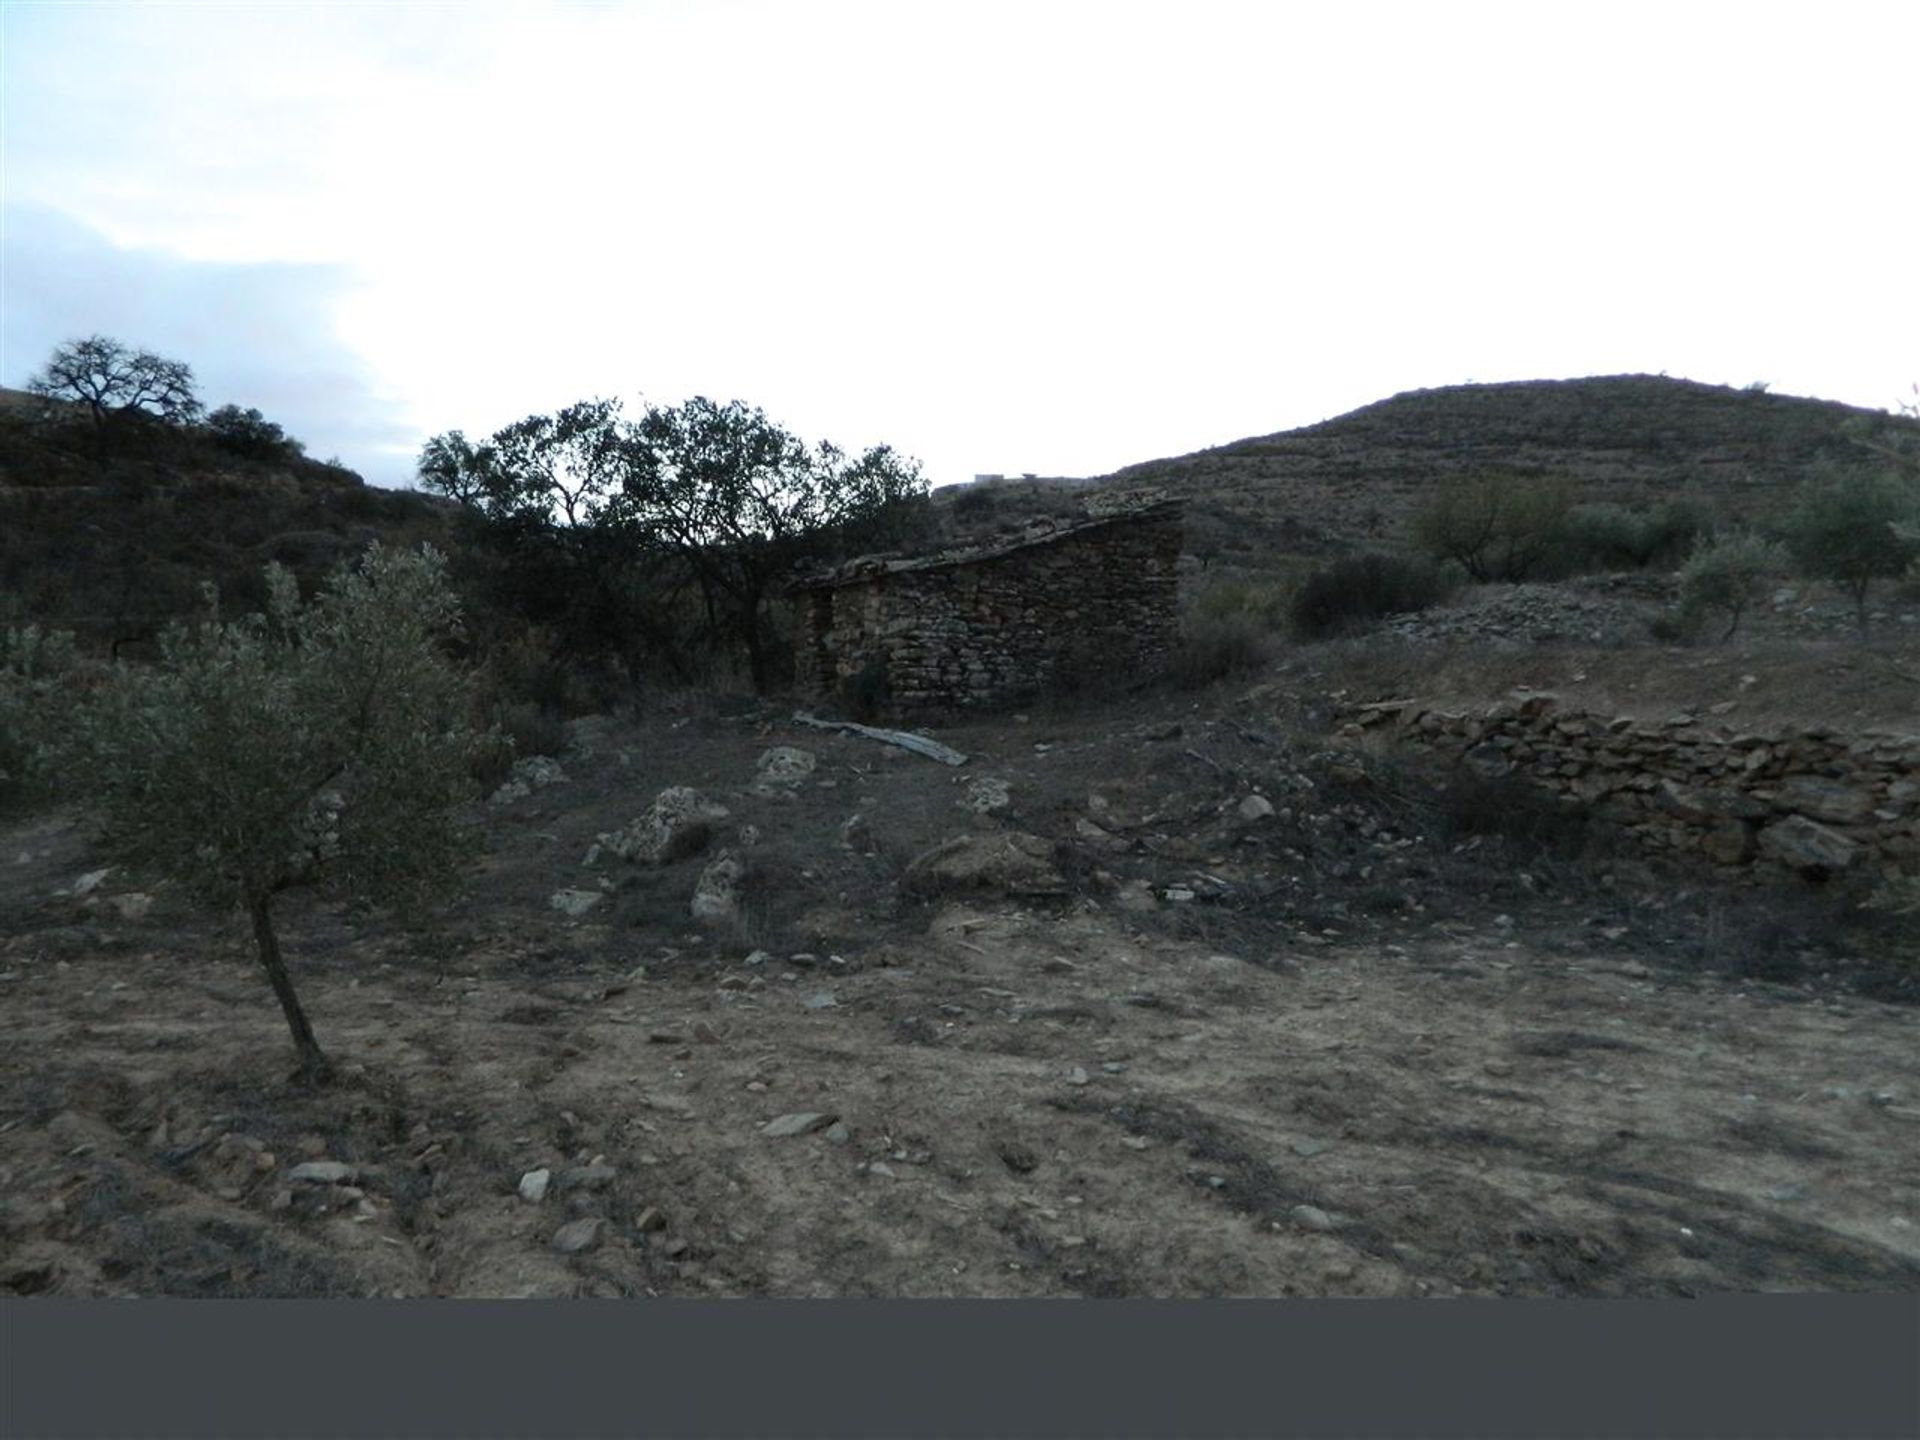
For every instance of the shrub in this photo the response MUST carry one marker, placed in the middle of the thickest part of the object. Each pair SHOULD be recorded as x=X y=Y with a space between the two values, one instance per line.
x=1730 y=575
x=1495 y=526
x=1212 y=647
x=1263 y=602
x=328 y=741
x=250 y=434
x=34 y=666
x=1363 y=588
x=1612 y=537
x=866 y=694
x=1851 y=528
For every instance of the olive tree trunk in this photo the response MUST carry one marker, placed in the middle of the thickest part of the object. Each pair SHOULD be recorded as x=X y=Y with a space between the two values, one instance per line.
x=314 y=1065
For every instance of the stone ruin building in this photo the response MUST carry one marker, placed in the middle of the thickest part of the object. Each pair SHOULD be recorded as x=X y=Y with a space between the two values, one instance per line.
x=1093 y=598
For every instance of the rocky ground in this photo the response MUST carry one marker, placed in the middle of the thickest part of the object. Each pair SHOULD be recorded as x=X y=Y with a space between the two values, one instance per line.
x=1620 y=610
x=1181 y=1000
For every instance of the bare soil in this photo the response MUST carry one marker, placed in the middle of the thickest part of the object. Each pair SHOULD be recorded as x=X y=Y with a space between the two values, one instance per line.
x=1378 y=1051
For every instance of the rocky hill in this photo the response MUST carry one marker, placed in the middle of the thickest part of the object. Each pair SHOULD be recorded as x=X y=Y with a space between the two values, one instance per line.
x=1628 y=439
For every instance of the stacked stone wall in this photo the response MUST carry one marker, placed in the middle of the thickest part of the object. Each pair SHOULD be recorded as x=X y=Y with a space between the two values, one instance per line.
x=1808 y=801
x=1096 y=605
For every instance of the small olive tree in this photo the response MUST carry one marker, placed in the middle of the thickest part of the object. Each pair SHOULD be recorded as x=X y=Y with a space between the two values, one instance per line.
x=1730 y=575
x=325 y=742
x=1852 y=527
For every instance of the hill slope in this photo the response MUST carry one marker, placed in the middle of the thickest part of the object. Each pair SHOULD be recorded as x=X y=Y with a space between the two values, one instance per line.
x=113 y=543
x=1629 y=439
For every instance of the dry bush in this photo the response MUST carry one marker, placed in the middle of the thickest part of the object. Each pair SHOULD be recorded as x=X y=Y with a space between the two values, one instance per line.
x=1353 y=592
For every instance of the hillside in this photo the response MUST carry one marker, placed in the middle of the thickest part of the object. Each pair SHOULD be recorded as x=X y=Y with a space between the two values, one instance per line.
x=1628 y=439
x=113 y=542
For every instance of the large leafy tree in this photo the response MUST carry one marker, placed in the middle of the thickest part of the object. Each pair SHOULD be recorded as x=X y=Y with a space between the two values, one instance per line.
x=731 y=497
x=743 y=501
x=1495 y=526
x=114 y=380
x=327 y=742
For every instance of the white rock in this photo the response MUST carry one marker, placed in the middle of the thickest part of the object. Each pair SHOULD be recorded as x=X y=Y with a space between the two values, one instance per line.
x=533 y=1185
x=716 y=895
x=323 y=1172
x=133 y=905
x=90 y=882
x=575 y=903
x=799 y=1122
x=786 y=765
x=986 y=795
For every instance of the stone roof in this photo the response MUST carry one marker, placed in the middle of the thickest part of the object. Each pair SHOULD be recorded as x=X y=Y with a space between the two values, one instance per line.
x=1046 y=532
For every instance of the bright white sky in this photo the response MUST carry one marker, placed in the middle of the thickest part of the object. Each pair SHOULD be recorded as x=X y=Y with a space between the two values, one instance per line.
x=1047 y=237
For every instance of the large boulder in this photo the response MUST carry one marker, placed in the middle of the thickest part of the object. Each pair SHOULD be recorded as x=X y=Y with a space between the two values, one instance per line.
x=678 y=824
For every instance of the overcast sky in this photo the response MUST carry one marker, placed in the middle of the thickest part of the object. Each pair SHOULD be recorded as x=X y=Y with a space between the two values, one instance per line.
x=1042 y=237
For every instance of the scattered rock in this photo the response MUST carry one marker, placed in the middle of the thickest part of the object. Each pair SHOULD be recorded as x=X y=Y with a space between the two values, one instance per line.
x=89 y=882
x=799 y=1122
x=1101 y=839
x=323 y=1172
x=533 y=1186
x=1307 y=1149
x=839 y=1133
x=1010 y=862
x=575 y=903
x=535 y=772
x=585 y=1177
x=1311 y=1217
x=785 y=766
x=986 y=795
x=579 y=1235
x=133 y=905
x=678 y=824
x=857 y=835
x=1078 y=1076
x=1255 y=807
x=716 y=895
x=822 y=1000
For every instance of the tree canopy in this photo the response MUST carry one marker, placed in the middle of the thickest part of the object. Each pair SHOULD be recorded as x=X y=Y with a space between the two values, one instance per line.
x=111 y=379
x=732 y=497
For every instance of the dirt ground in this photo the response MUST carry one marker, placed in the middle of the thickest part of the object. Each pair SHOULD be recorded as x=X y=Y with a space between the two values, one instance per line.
x=1370 y=1043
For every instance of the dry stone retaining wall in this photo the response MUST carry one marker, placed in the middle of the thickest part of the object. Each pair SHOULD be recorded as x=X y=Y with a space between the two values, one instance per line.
x=1809 y=801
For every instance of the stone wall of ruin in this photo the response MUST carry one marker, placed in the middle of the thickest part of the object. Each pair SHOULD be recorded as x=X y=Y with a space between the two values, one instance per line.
x=1790 y=800
x=1097 y=605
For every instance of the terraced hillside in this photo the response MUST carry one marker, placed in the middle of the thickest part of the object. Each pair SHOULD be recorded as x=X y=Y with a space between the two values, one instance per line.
x=1628 y=439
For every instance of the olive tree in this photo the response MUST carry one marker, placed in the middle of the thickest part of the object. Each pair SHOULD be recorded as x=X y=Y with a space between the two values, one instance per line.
x=1852 y=526
x=1730 y=574
x=324 y=742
